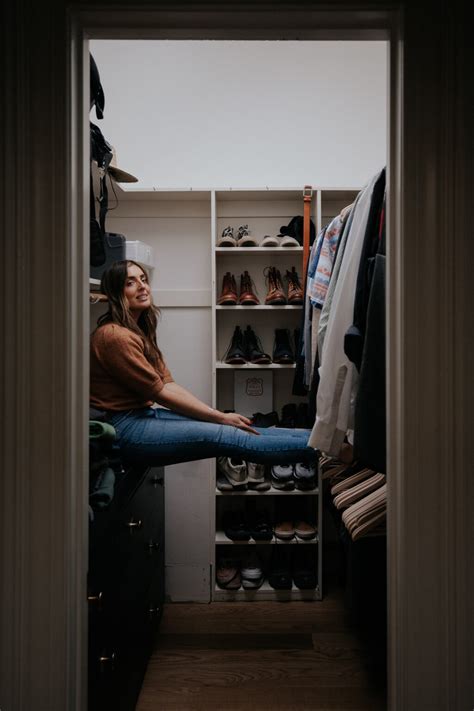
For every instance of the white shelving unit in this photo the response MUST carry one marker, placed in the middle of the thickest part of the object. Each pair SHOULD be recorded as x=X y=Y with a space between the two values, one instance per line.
x=264 y=211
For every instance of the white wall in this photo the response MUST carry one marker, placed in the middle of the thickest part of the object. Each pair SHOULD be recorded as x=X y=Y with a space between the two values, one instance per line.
x=234 y=114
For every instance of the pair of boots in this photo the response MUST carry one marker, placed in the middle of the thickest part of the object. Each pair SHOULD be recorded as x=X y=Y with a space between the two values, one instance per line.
x=229 y=295
x=293 y=415
x=245 y=347
x=276 y=294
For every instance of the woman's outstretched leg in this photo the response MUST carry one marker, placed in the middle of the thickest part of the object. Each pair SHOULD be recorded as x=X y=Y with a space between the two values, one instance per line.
x=158 y=436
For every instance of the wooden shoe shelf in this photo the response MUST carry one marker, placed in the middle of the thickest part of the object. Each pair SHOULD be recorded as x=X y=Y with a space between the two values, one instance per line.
x=264 y=211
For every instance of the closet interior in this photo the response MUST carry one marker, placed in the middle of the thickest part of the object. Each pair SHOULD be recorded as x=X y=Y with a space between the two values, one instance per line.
x=232 y=271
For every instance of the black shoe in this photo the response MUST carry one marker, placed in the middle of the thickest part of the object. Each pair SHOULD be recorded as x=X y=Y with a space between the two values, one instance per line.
x=288 y=415
x=235 y=527
x=282 y=351
x=261 y=530
x=302 y=417
x=235 y=353
x=304 y=568
x=270 y=419
x=253 y=348
x=279 y=576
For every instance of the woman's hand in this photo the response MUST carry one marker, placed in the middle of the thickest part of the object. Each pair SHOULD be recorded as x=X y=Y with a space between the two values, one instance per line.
x=235 y=420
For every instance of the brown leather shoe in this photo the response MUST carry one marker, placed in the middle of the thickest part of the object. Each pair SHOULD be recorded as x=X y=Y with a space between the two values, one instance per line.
x=247 y=296
x=295 y=290
x=228 y=295
x=275 y=294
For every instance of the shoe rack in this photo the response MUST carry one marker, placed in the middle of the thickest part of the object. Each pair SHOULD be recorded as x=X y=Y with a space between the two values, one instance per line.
x=264 y=211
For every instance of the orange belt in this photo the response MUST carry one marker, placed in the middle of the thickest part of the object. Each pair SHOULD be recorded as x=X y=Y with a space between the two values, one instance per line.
x=307 y=197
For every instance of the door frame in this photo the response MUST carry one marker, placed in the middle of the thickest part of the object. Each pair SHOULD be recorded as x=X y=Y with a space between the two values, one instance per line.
x=288 y=24
x=43 y=355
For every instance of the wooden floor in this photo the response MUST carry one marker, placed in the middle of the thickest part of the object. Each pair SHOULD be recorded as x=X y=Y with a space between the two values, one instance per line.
x=267 y=656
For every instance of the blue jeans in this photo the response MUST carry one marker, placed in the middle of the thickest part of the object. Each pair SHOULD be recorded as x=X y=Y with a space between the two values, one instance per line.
x=162 y=437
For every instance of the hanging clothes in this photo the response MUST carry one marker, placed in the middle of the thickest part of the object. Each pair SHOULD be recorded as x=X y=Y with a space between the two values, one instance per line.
x=370 y=407
x=325 y=311
x=355 y=335
x=338 y=375
x=319 y=290
x=319 y=283
x=308 y=352
x=303 y=347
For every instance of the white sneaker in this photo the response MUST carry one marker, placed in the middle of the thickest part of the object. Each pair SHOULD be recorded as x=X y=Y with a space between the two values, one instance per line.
x=251 y=570
x=244 y=238
x=235 y=470
x=256 y=473
x=287 y=241
x=269 y=241
x=227 y=239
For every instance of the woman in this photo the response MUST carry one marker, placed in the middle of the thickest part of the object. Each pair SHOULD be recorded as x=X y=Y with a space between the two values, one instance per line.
x=128 y=375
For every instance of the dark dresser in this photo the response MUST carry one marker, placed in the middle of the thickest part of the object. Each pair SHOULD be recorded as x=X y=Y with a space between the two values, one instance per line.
x=125 y=587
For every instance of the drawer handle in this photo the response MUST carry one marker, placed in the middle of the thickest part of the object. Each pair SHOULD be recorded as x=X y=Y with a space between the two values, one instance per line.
x=95 y=598
x=156 y=480
x=153 y=546
x=107 y=661
x=132 y=524
x=154 y=611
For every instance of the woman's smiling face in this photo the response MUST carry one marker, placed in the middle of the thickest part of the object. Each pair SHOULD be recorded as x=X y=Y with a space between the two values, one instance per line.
x=137 y=290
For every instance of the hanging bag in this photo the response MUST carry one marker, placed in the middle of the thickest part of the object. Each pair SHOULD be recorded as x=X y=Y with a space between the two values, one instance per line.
x=105 y=247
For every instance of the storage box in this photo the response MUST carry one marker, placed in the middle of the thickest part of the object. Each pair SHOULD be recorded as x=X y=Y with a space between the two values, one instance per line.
x=253 y=391
x=140 y=252
x=114 y=251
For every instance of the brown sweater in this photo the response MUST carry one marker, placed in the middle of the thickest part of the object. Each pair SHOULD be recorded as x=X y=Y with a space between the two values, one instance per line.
x=121 y=376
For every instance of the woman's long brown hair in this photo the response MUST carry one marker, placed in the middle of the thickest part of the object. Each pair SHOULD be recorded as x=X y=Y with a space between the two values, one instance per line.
x=112 y=285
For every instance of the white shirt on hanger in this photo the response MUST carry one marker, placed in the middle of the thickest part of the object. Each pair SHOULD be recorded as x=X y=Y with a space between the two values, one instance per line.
x=338 y=376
